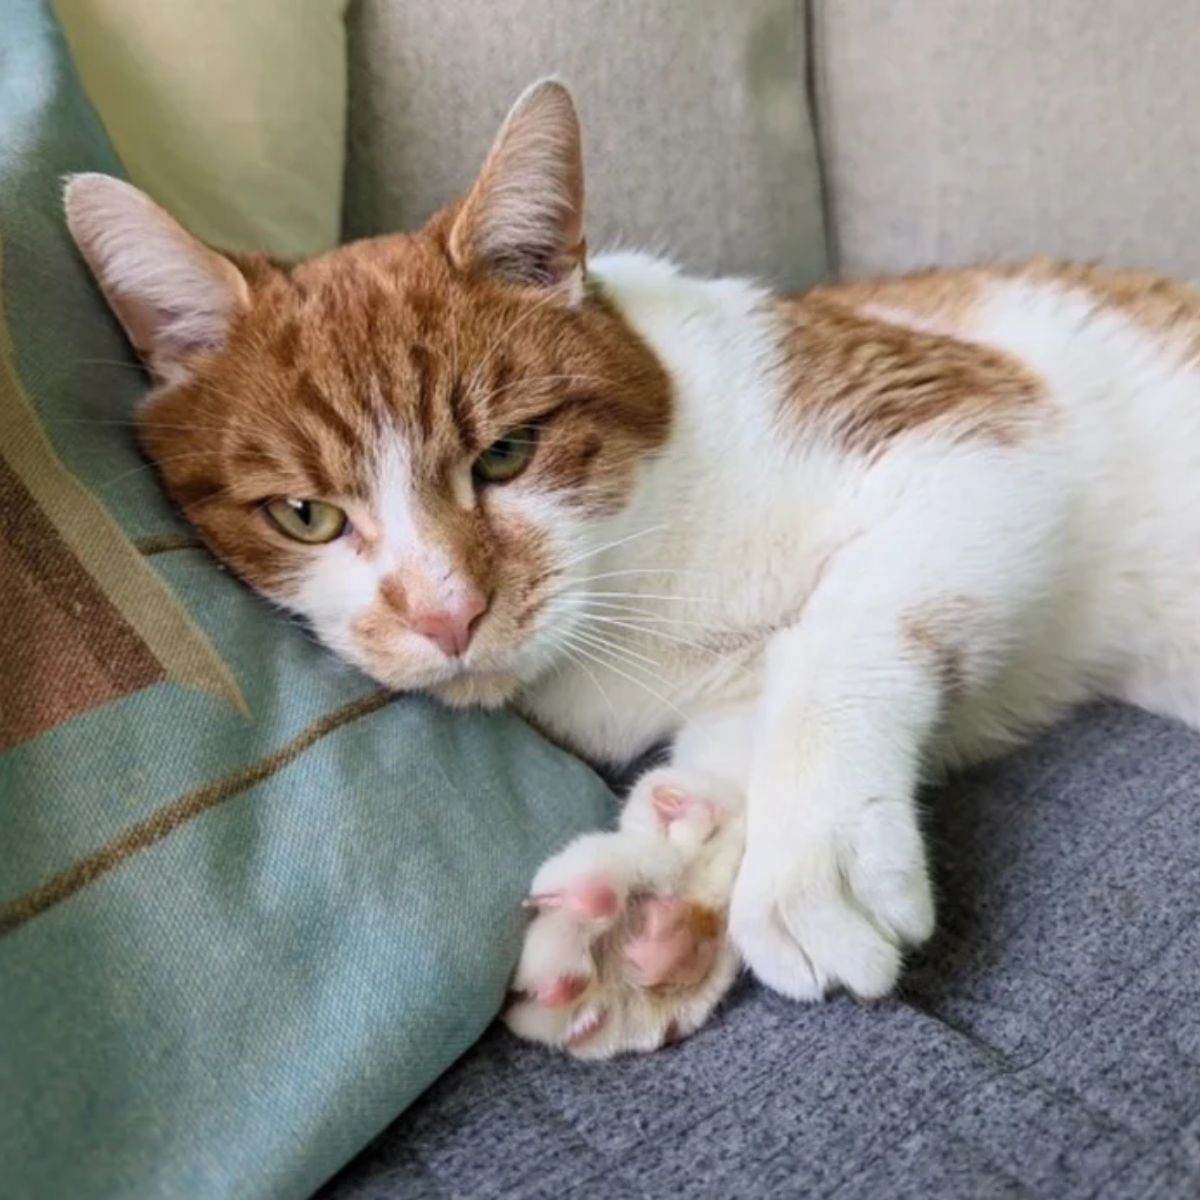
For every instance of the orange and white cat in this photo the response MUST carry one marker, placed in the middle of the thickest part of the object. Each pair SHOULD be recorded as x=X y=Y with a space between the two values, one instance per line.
x=825 y=543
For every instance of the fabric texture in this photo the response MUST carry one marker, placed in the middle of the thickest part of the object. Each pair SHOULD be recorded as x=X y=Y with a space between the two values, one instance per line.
x=1046 y=1044
x=957 y=131
x=230 y=114
x=250 y=905
x=696 y=127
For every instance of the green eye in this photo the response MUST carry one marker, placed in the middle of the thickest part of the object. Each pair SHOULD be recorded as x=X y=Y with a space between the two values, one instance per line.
x=311 y=521
x=507 y=458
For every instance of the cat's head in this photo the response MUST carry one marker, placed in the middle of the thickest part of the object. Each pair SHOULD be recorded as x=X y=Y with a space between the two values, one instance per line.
x=414 y=441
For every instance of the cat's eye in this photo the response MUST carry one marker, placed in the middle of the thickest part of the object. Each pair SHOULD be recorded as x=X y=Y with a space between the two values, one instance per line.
x=506 y=458
x=311 y=521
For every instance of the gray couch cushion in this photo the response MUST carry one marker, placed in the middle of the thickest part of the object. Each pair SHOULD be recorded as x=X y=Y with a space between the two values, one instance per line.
x=696 y=125
x=1047 y=1044
x=962 y=130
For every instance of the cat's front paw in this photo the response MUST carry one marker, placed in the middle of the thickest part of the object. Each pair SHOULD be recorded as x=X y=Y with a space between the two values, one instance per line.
x=628 y=946
x=837 y=911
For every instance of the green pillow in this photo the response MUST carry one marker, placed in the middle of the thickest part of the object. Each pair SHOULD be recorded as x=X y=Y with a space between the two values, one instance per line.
x=249 y=905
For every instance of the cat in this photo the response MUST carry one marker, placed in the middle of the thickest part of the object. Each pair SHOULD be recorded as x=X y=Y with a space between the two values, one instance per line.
x=827 y=544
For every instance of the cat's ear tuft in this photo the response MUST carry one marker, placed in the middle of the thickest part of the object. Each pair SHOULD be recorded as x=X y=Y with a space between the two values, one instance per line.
x=175 y=297
x=522 y=221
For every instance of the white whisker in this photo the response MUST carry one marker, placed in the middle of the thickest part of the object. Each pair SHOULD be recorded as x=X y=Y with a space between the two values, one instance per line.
x=648 y=615
x=575 y=595
x=640 y=628
x=612 y=545
x=570 y=653
x=632 y=679
x=643 y=571
x=632 y=657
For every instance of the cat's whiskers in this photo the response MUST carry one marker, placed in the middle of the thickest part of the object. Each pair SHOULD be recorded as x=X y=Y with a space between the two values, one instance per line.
x=663 y=596
x=647 y=615
x=216 y=494
x=616 y=670
x=641 y=533
x=153 y=466
x=631 y=656
x=644 y=571
x=560 y=645
x=635 y=627
x=110 y=362
x=131 y=423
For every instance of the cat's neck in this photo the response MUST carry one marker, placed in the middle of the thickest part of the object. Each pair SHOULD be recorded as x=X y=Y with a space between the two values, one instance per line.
x=726 y=525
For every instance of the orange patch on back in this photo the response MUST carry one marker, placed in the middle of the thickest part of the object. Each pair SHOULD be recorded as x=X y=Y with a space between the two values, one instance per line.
x=865 y=381
x=1164 y=307
x=935 y=300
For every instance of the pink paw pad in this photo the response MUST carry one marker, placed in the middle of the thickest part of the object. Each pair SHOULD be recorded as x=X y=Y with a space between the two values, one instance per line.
x=566 y=989
x=589 y=898
x=676 y=943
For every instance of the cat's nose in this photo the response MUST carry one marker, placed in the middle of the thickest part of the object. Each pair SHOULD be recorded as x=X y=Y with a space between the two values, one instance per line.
x=452 y=624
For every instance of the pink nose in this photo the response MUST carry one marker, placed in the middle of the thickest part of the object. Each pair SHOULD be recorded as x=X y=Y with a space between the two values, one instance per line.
x=450 y=626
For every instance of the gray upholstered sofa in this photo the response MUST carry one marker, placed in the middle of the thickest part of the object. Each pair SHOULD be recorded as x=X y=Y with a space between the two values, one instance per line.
x=1048 y=1041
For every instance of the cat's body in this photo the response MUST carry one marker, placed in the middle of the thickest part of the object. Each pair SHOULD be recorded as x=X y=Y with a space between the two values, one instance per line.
x=756 y=494
x=825 y=543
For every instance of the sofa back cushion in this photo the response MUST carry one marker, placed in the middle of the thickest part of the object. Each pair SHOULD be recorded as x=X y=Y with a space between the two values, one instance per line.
x=696 y=123
x=961 y=130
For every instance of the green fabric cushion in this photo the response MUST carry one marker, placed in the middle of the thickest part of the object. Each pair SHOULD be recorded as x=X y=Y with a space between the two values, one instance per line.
x=249 y=905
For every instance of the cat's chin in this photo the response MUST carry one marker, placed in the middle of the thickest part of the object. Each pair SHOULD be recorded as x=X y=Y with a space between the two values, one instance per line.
x=491 y=690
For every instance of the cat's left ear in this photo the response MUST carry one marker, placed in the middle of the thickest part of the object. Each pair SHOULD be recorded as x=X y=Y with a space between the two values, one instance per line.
x=522 y=221
x=176 y=297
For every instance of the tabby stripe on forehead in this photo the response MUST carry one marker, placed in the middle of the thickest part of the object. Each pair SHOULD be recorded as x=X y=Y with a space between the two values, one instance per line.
x=314 y=467
x=310 y=397
x=464 y=417
x=421 y=361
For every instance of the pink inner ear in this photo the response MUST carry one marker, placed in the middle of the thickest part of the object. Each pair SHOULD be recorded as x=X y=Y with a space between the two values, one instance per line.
x=174 y=295
x=164 y=334
x=522 y=221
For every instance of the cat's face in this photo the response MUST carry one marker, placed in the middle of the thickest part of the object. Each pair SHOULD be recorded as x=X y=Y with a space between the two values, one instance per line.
x=415 y=442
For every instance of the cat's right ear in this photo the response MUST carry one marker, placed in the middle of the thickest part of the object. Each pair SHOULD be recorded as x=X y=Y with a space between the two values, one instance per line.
x=175 y=297
x=522 y=220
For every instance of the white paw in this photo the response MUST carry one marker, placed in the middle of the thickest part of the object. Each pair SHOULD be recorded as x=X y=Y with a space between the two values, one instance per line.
x=627 y=948
x=838 y=911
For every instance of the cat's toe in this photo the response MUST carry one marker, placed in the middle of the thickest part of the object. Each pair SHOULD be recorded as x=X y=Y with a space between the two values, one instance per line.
x=684 y=806
x=807 y=946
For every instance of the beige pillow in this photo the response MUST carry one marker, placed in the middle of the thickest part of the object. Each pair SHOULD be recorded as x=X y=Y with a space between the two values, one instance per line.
x=230 y=113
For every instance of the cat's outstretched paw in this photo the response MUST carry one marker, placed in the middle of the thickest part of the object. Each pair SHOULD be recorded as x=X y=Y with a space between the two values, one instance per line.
x=627 y=949
x=839 y=913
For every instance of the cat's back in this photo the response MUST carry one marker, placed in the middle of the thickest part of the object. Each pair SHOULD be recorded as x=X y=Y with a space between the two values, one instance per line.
x=965 y=302
x=1112 y=356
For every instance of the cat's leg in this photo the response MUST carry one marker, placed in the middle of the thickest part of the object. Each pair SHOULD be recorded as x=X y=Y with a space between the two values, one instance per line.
x=907 y=621
x=628 y=948
x=834 y=882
